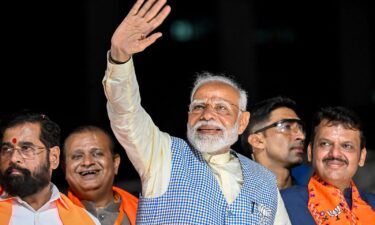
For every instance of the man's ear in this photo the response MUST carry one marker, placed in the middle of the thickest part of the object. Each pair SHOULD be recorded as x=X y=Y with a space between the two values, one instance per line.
x=116 y=161
x=54 y=157
x=362 y=157
x=309 y=152
x=256 y=141
x=244 y=120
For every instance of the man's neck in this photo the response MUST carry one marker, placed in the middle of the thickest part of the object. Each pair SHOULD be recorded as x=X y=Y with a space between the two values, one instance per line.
x=283 y=176
x=284 y=179
x=342 y=186
x=37 y=200
x=100 y=201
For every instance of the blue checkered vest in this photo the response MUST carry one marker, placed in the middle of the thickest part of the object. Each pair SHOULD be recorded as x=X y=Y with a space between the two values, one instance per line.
x=195 y=197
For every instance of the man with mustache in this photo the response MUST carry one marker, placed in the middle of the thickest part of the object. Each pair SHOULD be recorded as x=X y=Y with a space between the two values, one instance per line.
x=201 y=181
x=275 y=137
x=90 y=164
x=336 y=149
x=29 y=153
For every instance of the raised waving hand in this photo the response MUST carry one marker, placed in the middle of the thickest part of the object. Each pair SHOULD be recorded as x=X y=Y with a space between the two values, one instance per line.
x=134 y=34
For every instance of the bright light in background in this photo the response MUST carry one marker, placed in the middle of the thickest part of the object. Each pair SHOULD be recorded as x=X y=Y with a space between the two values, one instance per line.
x=182 y=31
x=186 y=30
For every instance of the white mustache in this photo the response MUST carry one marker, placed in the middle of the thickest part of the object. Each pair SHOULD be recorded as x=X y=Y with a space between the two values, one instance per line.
x=208 y=123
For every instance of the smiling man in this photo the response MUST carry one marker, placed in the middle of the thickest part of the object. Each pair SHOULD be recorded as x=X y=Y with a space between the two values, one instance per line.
x=90 y=165
x=336 y=150
x=202 y=181
x=29 y=153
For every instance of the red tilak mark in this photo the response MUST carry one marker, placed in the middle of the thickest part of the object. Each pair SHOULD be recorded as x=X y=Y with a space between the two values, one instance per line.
x=14 y=140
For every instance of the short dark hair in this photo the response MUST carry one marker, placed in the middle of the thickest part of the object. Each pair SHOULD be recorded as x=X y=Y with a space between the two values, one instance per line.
x=49 y=130
x=260 y=114
x=91 y=128
x=338 y=115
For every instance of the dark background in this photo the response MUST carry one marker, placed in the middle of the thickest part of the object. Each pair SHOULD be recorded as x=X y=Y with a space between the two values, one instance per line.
x=318 y=53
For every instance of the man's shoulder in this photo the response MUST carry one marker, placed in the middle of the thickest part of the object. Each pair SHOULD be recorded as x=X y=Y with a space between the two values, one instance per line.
x=75 y=211
x=295 y=189
x=254 y=165
x=369 y=198
x=126 y=196
x=296 y=201
x=257 y=172
x=294 y=193
x=178 y=140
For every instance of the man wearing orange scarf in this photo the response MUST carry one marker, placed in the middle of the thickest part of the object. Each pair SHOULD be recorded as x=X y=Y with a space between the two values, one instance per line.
x=336 y=150
x=29 y=153
x=90 y=165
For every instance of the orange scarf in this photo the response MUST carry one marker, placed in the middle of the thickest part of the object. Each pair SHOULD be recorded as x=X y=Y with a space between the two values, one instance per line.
x=128 y=206
x=327 y=205
x=69 y=214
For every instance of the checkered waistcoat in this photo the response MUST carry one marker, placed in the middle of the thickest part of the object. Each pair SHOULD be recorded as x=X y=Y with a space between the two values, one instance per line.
x=195 y=197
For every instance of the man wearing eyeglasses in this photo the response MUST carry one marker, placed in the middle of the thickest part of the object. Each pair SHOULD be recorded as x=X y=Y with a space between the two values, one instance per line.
x=275 y=137
x=29 y=153
x=336 y=150
x=201 y=181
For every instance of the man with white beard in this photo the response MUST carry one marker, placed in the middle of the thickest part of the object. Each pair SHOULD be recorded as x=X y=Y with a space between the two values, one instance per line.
x=200 y=182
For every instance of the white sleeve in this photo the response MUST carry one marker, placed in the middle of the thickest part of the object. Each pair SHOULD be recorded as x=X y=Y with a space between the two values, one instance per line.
x=281 y=217
x=147 y=147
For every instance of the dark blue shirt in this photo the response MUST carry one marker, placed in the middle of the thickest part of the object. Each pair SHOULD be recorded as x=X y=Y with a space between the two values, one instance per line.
x=296 y=198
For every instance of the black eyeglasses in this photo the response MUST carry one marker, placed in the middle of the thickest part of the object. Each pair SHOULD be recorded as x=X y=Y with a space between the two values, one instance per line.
x=285 y=126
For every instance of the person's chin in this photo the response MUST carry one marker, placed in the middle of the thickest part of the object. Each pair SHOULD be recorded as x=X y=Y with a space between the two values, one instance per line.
x=90 y=186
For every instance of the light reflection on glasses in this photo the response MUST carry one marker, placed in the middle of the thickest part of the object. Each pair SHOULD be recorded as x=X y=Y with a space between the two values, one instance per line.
x=27 y=151
x=220 y=107
x=285 y=126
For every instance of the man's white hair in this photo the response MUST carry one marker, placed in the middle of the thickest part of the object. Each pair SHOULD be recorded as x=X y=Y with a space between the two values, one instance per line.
x=207 y=77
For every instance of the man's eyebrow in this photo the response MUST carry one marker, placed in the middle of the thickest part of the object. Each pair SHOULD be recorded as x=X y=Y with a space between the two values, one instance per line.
x=6 y=144
x=25 y=143
x=322 y=139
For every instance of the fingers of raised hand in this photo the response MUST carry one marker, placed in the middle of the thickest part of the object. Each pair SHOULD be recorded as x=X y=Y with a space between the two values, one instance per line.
x=139 y=42
x=150 y=13
x=147 y=41
x=149 y=9
x=134 y=10
x=160 y=17
x=157 y=8
x=154 y=12
x=146 y=7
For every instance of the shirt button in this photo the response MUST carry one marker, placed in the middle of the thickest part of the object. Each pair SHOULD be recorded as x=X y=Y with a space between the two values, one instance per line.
x=229 y=213
x=101 y=217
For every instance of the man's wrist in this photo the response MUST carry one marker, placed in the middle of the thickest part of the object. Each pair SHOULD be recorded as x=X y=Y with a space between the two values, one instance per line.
x=111 y=60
